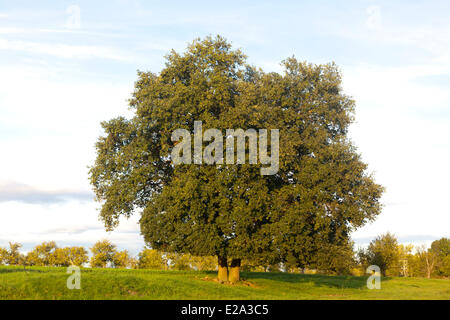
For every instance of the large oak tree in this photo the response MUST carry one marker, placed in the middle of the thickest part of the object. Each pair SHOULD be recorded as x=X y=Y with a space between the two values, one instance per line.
x=301 y=216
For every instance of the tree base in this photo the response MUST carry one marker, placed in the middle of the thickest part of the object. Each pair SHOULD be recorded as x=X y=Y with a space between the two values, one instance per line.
x=235 y=269
x=222 y=274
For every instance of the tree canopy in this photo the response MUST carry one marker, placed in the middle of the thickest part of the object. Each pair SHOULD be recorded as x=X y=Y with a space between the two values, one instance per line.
x=298 y=216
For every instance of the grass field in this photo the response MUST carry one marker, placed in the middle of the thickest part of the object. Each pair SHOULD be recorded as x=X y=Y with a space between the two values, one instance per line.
x=50 y=283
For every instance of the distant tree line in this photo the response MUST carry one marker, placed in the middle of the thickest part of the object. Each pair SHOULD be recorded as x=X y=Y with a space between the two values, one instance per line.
x=104 y=255
x=394 y=259
x=45 y=254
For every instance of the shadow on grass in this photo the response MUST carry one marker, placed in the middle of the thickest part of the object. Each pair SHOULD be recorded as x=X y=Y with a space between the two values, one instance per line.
x=352 y=282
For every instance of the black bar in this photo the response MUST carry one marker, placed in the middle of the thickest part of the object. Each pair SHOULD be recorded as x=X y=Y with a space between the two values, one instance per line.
x=223 y=309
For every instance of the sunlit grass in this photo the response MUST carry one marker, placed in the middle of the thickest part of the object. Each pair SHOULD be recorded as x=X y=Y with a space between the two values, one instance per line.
x=50 y=283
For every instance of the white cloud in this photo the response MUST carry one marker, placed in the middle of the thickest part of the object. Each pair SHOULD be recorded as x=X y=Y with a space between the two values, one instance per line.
x=15 y=30
x=10 y=30
x=54 y=123
x=13 y=191
x=71 y=223
x=49 y=126
x=402 y=133
x=62 y=50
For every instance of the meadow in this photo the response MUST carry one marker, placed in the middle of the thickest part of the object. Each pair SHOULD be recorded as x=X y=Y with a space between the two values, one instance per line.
x=50 y=283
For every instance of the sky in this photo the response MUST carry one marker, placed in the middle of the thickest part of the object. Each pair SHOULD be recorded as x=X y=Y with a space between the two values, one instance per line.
x=67 y=66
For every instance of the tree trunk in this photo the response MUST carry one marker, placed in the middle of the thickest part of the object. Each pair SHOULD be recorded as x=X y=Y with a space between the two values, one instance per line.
x=223 y=269
x=430 y=265
x=235 y=269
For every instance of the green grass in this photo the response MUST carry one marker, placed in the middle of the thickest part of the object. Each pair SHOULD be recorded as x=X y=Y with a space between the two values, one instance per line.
x=50 y=283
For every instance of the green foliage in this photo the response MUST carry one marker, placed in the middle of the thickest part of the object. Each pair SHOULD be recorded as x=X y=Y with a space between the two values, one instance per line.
x=434 y=261
x=260 y=266
x=444 y=267
x=321 y=193
x=156 y=260
x=103 y=253
x=204 y=263
x=64 y=257
x=383 y=252
x=441 y=249
x=45 y=254
x=3 y=256
x=386 y=253
x=121 y=259
x=42 y=255
x=179 y=261
x=415 y=268
x=335 y=259
x=151 y=259
x=13 y=256
x=427 y=260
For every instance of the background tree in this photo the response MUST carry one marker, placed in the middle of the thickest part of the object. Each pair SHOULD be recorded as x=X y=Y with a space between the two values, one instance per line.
x=405 y=256
x=335 y=259
x=421 y=261
x=383 y=252
x=254 y=266
x=441 y=249
x=121 y=259
x=102 y=254
x=3 y=256
x=444 y=268
x=133 y=263
x=41 y=255
x=60 y=258
x=23 y=260
x=205 y=263
x=180 y=261
x=68 y=256
x=13 y=256
x=262 y=265
x=415 y=268
x=320 y=194
x=78 y=256
x=151 y=259
x=429 y=259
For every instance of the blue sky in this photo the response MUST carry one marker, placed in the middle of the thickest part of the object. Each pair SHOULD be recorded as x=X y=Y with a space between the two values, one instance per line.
x=66 y=66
